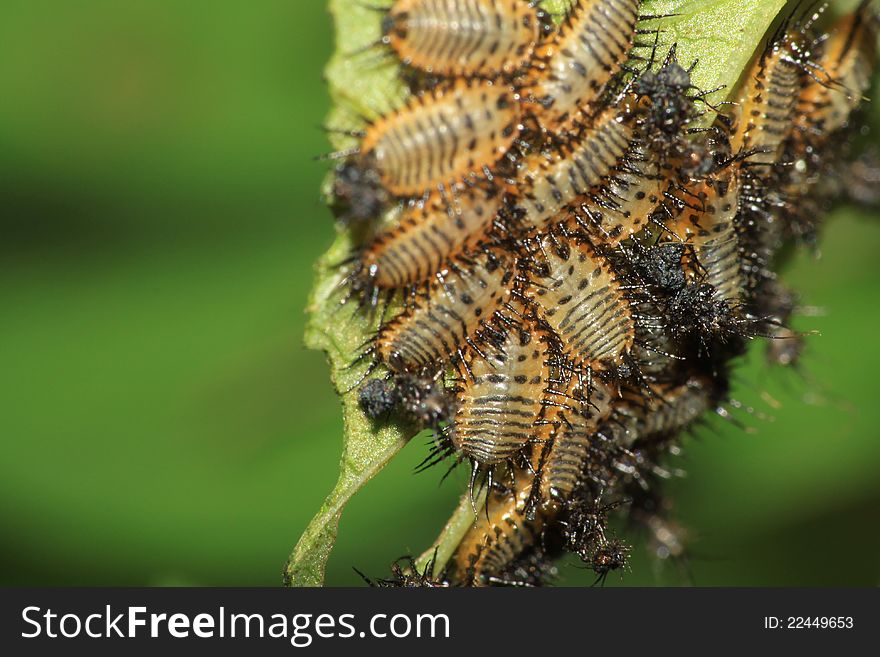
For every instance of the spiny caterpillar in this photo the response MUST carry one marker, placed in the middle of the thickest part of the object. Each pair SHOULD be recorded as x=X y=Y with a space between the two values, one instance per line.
x=583 y=246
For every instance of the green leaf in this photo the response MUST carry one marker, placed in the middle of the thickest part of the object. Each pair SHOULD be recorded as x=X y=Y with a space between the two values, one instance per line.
x=363 y=82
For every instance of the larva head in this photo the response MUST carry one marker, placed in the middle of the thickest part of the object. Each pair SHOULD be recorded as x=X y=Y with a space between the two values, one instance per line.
x=424 y=400
x=420 y=400
x=358 y=193
x=378 y=398
x=664 y=92
x=695 y=310
x=394 y=23
x=661 y=265
x=611 y=556
x=405 y=574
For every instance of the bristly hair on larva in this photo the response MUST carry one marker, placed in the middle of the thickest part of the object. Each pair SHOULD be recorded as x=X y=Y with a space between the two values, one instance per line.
x=581 y=243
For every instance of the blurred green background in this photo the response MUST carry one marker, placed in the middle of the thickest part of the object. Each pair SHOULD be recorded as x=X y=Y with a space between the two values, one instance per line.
x=161 y=422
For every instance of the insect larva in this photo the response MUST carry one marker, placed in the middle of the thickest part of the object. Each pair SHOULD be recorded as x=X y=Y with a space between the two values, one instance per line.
x=670 y=408
x=501 y=399
x=429 y=233
x=626 y=202
x=767 y=101
x=498 y=536
x=712 y=232
x=451 y=134
x=582 y=300
x=436 y=330
x=462 y=37
x=551 y=184
x=582 y=253
x=572 y=69
x=570 y=446
x=784 y=345
x=842 y=74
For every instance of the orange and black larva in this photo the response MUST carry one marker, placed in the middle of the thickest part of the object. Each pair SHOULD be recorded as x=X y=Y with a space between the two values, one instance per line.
x=766 y=105
x=436 y=330
x=454 y=134
x=573 y=69
x=840 y=76
x=578 y=264
x=579 y=295
x=499 y=536
x=463 y=38
x=427 y=234
x=500 y=404
x=565 y=454
x=550 y=182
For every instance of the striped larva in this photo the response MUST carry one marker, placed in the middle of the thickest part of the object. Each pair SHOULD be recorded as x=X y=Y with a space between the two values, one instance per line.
x=671 y=408
x=841 y=75
x=463 y=38
x=817 y=140
x=569 y=448
x=436 y=330
x=767 y=102
x=710 y=228
x=573 y=68
x=452 y=134
x=551 y=183
x=499 y=535
x=640 y=419
x=428 y=234
x=500 y=401
x=582 y=300
x=624 y=205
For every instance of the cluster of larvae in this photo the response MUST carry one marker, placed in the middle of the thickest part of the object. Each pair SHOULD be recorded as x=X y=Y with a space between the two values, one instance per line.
x=583 y=243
